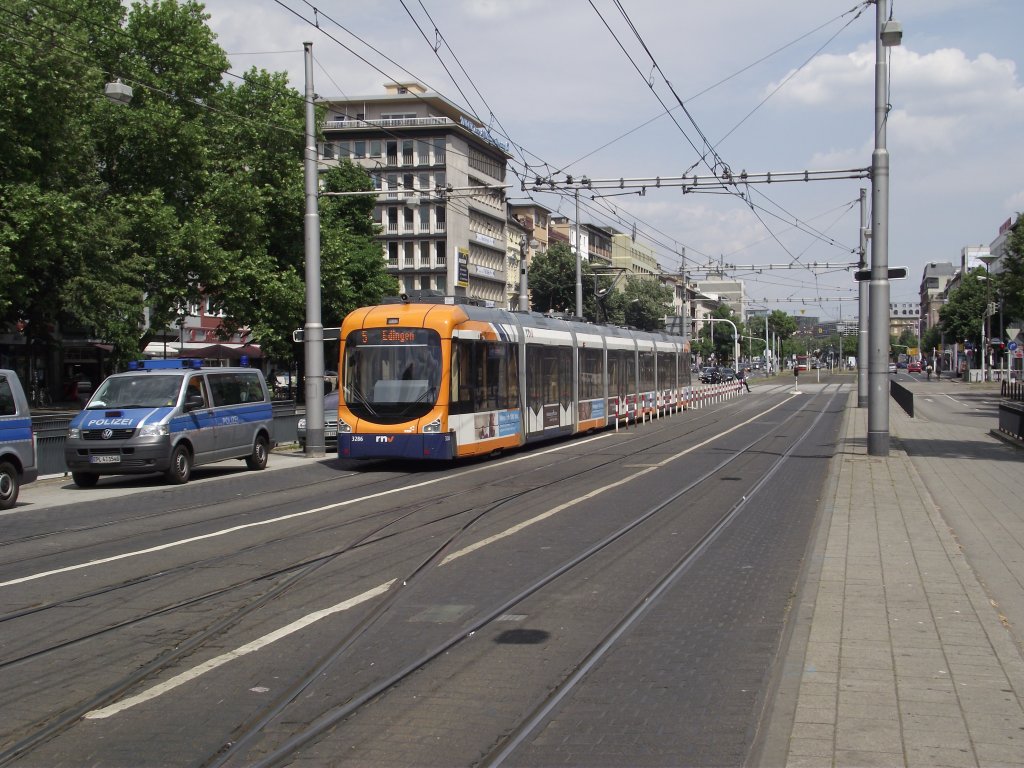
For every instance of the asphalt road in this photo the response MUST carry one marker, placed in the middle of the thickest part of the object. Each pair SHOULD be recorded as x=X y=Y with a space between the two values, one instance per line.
x=395 y=614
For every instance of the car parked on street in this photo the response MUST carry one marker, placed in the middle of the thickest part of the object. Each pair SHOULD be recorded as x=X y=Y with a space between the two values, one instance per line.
x=710 y=375
x=330 y=423
x=914 y=366
x=726 y=373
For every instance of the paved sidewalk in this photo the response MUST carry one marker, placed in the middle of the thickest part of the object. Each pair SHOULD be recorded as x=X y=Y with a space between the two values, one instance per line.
x=907 y=648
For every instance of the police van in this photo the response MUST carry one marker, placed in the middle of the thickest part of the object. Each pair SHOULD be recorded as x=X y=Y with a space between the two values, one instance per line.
x=170 y=416
x=17 y=448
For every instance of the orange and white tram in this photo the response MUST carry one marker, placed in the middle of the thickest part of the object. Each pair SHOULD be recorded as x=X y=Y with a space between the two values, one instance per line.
x=444 y=380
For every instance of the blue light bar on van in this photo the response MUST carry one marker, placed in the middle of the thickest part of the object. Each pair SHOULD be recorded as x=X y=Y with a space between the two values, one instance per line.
x=153 y=365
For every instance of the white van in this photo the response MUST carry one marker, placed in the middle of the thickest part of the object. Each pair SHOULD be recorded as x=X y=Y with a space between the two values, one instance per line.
x=169 y=416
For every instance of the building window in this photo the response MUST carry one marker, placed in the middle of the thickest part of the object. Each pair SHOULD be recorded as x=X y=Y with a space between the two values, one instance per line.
x=439 y=218
x=440 y=258
x=344 y=149
x=392 y=185
x=375 y=148
x=408 y=220
x=409 y=184
x=425 y=282
x=328 y=151
x=407 y=153
x=423 y=151
x=393 y=255
x=439 y=150
x=425 y=253
x=392 y=152
x=393 y=221
x=410 y=254
x=360 y=149
x=424 y=218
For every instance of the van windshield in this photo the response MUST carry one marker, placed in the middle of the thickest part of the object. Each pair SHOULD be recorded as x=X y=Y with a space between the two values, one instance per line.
x=141 y=391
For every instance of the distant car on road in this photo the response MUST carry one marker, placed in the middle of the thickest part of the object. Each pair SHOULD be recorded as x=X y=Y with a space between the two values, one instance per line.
x=892 y=368
x=914 y=367
x=330 y=423
x=710 y=375
x=727 y=374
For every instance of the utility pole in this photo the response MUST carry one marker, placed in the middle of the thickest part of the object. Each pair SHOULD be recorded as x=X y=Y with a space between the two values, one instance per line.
x=887 y=33
x=314 y=329
x=862 y=319
x=579 y=260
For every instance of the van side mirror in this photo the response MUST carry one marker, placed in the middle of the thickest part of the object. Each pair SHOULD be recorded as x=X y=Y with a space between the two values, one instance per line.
x=193 y=402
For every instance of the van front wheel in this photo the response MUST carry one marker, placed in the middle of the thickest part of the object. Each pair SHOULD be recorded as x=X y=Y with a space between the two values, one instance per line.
x=85 y=479
x=260 y=452
x=181 y=466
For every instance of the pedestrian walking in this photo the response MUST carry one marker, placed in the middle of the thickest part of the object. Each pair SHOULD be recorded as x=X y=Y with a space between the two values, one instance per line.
x=929 y=371
x=742 y=376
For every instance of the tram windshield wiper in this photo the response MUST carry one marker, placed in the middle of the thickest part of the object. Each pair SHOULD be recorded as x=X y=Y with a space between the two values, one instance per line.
x=361 y=398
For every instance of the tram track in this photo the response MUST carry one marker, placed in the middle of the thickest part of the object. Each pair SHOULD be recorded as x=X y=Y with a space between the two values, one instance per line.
x=294 y=573
x=364 y=540
x=234 y=751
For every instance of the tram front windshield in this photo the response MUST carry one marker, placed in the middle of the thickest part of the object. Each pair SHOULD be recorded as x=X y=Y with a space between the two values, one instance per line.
x=392 y=375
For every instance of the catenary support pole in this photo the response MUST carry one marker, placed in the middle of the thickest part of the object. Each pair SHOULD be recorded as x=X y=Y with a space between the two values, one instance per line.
x=878 y=317
x=314 y=329
x=862 y=319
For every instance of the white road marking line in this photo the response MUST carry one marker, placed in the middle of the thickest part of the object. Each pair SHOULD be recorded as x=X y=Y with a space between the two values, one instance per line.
x=597 y=491
x=305 y=621
x=273 y=520
x=224 y=658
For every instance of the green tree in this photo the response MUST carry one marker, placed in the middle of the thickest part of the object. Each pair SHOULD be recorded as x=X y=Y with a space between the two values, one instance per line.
x=114 y=218
x=718 y=337
x=648 y=303
x=552 y=280
x=961 y=314
x=1010 y=281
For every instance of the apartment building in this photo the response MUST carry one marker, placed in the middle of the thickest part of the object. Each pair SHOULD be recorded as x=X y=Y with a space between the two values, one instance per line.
x=439 y=177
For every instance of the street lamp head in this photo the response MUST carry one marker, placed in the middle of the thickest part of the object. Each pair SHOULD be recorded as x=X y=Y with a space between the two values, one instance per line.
x=892 y=33
x=118 y=92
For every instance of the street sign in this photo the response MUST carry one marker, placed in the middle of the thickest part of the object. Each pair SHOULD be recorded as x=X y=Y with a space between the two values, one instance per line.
x=330 y=334
x=895 y=273
x=1012 y=346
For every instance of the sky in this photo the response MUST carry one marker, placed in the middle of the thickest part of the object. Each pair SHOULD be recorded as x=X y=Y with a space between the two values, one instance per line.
x=642 y=88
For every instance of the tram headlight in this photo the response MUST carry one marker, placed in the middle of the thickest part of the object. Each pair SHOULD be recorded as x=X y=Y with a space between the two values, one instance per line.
x=434 y=426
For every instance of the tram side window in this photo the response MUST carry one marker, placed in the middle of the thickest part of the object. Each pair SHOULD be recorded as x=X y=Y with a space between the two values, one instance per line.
x=591 y=374
x=646 y=371
x=616 y=373
x=484 y=376
x=666 y=370
x=565 y=376
x=548 y=376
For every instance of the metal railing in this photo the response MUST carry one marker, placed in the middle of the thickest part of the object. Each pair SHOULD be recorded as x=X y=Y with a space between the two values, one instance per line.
x=1012 y=390
x=50 y=431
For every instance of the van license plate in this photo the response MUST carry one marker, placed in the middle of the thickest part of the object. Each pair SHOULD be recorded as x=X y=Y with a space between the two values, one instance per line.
x=105 y=459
